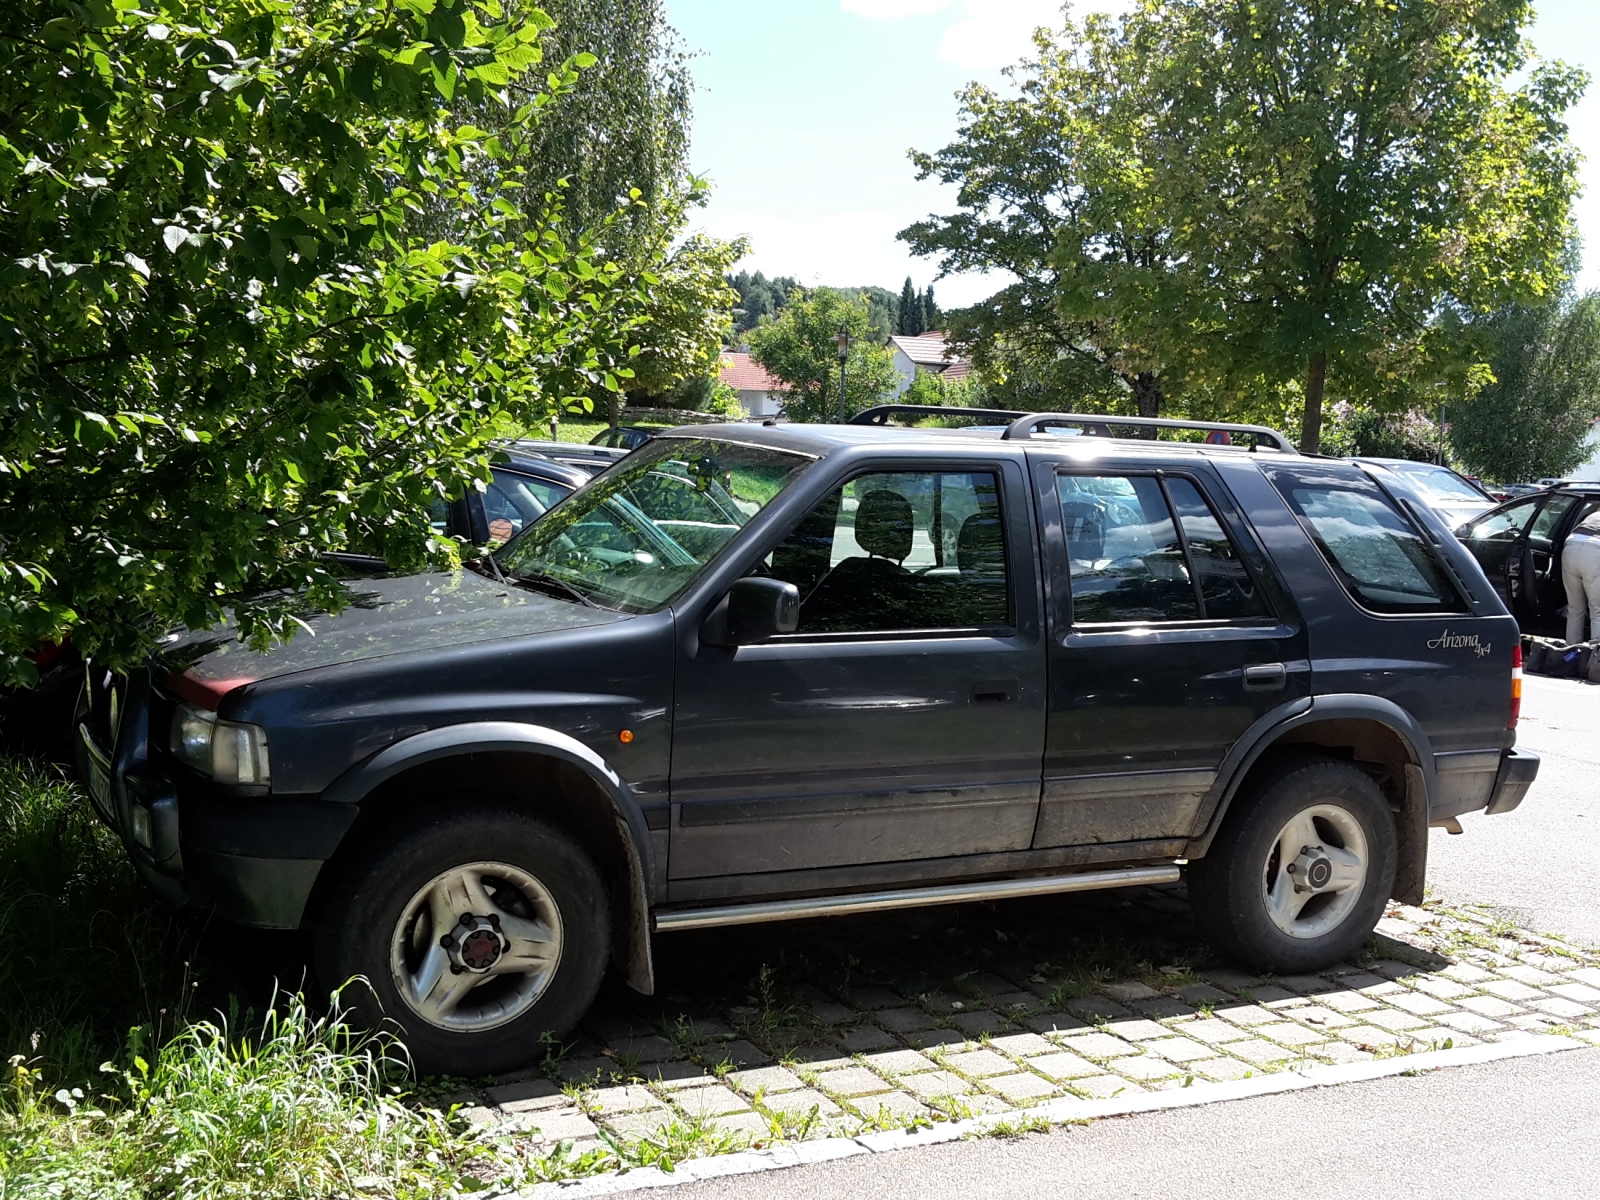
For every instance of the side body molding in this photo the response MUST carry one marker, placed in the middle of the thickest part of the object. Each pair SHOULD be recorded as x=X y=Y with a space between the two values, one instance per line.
x=1261 y=736
x=476 y=737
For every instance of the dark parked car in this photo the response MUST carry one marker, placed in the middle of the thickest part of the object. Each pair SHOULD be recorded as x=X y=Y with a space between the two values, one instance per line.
x=627 y=437
x=765 y=673
x=1519 y=545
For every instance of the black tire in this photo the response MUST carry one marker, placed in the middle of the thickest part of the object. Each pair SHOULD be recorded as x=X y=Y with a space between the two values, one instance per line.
x=355 y=931
x=1228 y=888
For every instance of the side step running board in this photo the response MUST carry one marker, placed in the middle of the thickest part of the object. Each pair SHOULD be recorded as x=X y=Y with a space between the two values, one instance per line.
x=956 y=893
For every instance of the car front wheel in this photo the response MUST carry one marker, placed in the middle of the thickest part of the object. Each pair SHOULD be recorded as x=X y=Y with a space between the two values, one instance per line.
x=1298 y=876
x=480 y=932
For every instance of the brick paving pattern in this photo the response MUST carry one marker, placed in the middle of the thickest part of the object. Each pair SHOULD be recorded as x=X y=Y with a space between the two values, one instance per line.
x=844 y=1026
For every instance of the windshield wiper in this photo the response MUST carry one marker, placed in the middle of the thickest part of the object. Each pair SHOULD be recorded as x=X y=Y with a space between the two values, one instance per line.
x=553 y=586
x=494 y=570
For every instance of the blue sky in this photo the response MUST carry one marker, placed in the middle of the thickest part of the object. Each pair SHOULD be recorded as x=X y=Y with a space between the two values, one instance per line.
x=806 y=109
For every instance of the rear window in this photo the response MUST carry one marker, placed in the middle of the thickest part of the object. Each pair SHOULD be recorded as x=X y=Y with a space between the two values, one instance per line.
x=1382 y=560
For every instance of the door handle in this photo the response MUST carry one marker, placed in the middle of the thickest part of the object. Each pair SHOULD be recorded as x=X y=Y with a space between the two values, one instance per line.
x=1265 y=677
x=994 y=691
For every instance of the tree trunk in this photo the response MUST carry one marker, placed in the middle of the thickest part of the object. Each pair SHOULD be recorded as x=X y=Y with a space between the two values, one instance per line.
x=1147 y=397
x=1311 y=426
x=614 y=404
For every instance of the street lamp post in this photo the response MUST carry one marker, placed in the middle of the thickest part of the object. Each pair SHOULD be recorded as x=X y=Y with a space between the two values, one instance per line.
x=844 y=353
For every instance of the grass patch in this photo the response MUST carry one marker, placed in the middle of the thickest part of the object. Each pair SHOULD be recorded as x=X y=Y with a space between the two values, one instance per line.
x=113 y=1088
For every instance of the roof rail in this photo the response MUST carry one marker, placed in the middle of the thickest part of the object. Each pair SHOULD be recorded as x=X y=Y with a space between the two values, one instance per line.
x=881 y=414
x=1095 y=423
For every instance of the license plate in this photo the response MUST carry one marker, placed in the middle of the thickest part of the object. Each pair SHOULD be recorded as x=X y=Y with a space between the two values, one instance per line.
x=99 y=772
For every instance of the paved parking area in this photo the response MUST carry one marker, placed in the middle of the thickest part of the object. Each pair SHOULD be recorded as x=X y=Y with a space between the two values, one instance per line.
x=841 y=1026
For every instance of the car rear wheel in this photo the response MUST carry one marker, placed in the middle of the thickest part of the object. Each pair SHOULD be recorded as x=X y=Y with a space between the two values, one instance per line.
x=481 y=933
x=1298 y=876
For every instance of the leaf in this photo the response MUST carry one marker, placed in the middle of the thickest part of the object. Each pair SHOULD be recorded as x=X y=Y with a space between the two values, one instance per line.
x=137 y=263
x=174 y=236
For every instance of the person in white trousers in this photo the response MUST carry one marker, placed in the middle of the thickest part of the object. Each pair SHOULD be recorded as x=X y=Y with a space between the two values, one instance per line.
x=1580 y=571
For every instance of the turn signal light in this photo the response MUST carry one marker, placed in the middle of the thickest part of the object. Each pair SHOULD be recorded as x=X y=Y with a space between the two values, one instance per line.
x=1516 y=685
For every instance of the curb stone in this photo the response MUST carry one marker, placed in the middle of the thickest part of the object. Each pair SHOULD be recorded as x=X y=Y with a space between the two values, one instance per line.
x=1055 y=1112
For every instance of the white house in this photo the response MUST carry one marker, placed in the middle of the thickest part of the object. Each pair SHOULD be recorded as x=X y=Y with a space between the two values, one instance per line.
x=925 y=352
x=758 y=391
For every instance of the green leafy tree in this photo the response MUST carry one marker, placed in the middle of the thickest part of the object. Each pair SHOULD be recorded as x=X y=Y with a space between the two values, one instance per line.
x=224 y=347
x=1534 y=419
x=800 y=349
x=932 y=318
x=1052 y=191
x=760 y=298
x=1340 y=173
x=908 y=316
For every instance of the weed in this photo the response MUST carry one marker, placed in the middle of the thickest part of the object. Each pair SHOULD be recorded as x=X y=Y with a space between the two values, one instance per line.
x=950 y=1108
x=792 y=1126
x=1013 y=1127
x=666 y=1147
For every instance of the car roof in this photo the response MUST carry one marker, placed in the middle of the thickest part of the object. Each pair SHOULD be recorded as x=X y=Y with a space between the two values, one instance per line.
x=822 y=440
x=538 y=465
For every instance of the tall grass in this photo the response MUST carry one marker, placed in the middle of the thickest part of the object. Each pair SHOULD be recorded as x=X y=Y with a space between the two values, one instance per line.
x=86 y=952
x=112 y=1089
x=299 y=1107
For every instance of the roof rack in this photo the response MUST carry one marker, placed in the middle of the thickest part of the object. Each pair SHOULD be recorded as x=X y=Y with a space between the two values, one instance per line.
x=881 y=414
x=1094 y=423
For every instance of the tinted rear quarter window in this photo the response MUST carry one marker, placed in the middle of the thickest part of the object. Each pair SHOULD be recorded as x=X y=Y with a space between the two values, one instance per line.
x=1381 y=559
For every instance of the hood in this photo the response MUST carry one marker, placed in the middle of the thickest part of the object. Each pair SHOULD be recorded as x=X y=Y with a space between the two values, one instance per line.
x=400 y=615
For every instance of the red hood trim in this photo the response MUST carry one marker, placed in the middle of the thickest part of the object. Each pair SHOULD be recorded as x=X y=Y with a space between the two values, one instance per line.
x=207 y=693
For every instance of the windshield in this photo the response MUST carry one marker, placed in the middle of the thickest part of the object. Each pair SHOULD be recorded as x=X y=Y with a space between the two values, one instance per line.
x=640 y=534
x=1439 y=482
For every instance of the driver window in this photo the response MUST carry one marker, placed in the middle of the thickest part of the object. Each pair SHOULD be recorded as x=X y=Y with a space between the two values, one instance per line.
x=900 y=551
x=1225 y=585
x=1503 y=526
x=1544 y=525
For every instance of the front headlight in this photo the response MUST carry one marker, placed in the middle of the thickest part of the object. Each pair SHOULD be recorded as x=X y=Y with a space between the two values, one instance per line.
x=226 y=751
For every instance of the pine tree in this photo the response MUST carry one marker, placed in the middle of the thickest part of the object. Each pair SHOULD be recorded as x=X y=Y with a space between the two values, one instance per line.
x=931 y=316
x=908 y=322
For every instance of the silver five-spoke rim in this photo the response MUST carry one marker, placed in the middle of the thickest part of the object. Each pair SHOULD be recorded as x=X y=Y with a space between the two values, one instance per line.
x=476 y=946
x=1315 y=871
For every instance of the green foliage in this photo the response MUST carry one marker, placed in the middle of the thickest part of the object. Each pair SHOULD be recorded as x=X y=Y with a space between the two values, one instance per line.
x=624 y=127
x=931 y=387
x=760 y=298
x=799 y=349
x=685 y=315
x=1216 y=202
x=1365 y=431
x=1340 y=173
x=226 y=346
x=883 y=308
x=303 y=1107
x=909 y=322
x=87 y=951
x=1051 y=191
x=1534 y=420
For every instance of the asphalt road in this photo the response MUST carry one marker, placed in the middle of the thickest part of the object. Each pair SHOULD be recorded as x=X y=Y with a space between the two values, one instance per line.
x=1523 y=1128
x=1541 y=862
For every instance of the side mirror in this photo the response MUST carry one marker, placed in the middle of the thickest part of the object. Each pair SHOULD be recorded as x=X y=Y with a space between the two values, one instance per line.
x=755 y=610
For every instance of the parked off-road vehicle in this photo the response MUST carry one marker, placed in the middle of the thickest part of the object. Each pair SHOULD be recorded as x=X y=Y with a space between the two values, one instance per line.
x=753 y=673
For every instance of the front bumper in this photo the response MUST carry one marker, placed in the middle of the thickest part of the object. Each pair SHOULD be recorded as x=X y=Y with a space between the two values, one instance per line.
x=253 y=860
x=1518 y=769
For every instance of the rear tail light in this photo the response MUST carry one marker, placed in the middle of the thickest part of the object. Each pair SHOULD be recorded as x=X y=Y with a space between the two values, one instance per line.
x=1516 y=685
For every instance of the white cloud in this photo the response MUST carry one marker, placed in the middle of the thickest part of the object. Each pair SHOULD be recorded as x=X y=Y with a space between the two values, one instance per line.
x=888 y=10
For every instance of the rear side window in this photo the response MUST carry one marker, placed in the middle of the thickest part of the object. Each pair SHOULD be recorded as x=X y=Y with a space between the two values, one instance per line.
x=1144 y=549
x=1383 y=561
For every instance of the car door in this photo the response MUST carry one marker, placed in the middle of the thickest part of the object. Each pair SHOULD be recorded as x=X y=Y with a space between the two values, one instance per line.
x=1534 y=571
x=1169 y=638
x=904 y=719
x=1492 y=537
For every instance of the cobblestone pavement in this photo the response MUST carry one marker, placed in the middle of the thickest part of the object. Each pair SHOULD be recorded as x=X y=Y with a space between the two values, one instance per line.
x=842 y=1026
